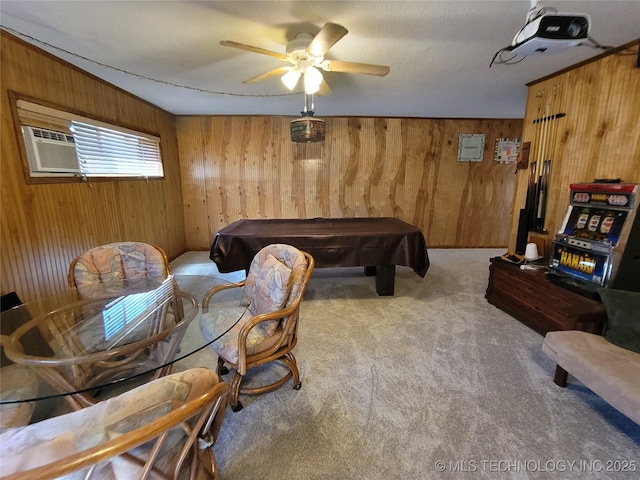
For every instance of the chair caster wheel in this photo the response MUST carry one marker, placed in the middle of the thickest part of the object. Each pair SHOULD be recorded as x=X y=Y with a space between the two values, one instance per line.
x=297 y=386
x=237 y=407
x=224 y=370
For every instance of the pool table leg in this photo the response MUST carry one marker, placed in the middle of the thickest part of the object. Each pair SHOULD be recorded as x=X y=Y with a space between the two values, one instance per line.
x=385 y=279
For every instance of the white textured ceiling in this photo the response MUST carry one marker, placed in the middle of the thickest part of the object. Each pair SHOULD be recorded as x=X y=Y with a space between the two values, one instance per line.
x=439 y=51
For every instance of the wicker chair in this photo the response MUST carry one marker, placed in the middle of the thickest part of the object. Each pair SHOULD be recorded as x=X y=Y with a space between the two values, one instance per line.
x=267 y=320
x=112 y=266
x=159 y=429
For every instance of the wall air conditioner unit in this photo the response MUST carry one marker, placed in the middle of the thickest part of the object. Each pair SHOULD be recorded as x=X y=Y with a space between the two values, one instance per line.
x=50 y=152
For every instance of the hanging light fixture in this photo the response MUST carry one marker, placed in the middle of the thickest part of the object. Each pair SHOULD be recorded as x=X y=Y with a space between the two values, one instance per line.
x=307 y=129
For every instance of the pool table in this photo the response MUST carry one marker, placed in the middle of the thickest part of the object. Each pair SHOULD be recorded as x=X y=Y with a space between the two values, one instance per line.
x=378 y=244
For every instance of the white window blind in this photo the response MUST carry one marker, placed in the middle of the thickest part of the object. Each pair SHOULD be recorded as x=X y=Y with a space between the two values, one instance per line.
x=104 y=152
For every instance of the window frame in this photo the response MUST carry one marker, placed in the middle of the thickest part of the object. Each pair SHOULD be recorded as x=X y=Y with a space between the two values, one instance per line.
x=65 y=116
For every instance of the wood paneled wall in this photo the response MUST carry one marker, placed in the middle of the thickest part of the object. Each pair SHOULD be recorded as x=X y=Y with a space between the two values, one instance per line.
x=247 y=167
x=43 y=227
x=598 y=138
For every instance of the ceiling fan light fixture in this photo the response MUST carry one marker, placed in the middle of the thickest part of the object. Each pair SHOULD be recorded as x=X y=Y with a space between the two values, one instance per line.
x=305 y=55
x=290 y=79
x=312 y=80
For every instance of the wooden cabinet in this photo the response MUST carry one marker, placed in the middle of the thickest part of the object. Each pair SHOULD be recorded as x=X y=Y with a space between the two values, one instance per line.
x=530 y=297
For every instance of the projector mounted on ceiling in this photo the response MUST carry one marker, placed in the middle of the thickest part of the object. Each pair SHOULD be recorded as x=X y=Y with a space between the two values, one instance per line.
x=550 y=33
x=546 y=31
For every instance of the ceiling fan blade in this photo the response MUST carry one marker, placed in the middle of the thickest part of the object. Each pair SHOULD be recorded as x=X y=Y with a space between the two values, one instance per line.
x=353 y=67
x=324 y=89
x=250 y=48
x=325 y=39
x=269 y=74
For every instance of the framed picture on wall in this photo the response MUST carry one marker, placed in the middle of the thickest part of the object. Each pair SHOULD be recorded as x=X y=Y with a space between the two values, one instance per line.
x=506 y=150
x=471 y=147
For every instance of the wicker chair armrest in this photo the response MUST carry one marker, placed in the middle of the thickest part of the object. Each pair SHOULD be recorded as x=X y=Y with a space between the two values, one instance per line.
x=217 y=289
x=254 y=321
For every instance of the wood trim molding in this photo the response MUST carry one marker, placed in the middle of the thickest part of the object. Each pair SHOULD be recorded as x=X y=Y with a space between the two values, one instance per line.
x=613 y=51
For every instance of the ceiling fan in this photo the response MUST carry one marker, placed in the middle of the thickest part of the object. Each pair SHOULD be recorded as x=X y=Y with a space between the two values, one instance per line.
x=306 y=55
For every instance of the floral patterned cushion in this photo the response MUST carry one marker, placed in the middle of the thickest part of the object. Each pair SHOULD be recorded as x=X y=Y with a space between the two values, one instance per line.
x=112 y=264
x=216 y=323
x=271 y=291
x=290 y=256
x=18 y=383
x=44 y=442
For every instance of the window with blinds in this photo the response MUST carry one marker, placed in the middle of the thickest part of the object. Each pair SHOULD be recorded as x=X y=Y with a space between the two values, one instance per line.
x=107 y=152
x=59 y=143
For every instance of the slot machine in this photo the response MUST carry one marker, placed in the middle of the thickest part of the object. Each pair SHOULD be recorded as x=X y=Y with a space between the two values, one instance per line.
x=598 y=244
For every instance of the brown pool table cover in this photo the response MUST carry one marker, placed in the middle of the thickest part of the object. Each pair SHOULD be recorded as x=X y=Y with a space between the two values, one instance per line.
x=333 y=242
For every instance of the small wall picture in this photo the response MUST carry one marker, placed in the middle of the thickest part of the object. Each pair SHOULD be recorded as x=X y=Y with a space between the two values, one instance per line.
x=471 y=147
x=506 y=150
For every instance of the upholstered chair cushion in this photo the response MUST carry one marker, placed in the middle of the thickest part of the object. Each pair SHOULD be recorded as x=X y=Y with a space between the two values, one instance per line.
x=271 y=291
x=218 y=321
x=52 y=439
x=112 y=264
x=286 y=254
x=18 y=383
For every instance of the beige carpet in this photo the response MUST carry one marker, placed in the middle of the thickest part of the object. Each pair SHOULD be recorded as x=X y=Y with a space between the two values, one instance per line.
x=392 y=386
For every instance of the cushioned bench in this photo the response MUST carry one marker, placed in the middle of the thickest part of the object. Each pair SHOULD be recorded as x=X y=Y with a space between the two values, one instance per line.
x=608 y=365
x=611 y=372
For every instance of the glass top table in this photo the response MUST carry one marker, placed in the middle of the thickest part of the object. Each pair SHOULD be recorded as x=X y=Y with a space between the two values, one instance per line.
x=81 y=344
